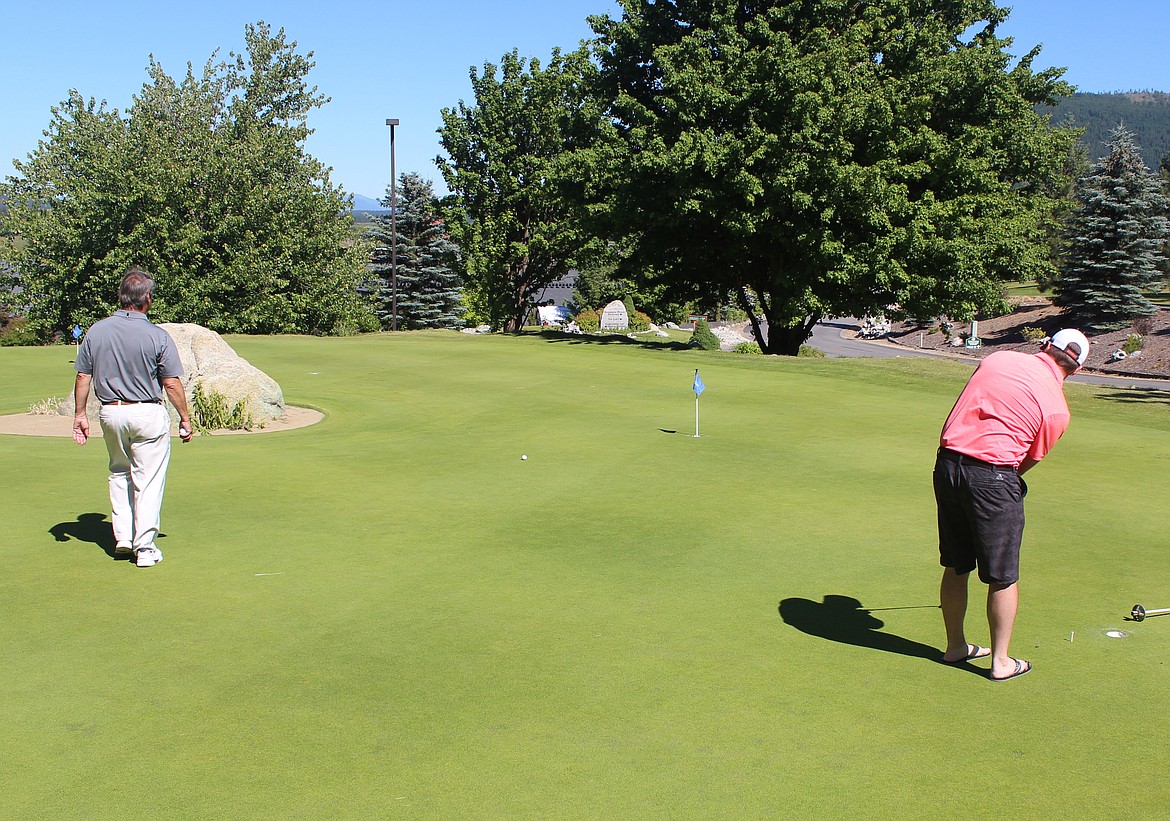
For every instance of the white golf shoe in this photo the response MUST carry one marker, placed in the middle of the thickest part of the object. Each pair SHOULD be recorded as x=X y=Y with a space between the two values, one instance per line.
x=147 y=556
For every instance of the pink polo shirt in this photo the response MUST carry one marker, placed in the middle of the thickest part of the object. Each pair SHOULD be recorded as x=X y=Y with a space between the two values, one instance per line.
x=1012 y=409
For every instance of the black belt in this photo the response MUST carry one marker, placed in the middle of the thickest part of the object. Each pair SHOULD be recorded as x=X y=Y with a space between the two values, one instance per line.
x=134 y=402
x=964 y=459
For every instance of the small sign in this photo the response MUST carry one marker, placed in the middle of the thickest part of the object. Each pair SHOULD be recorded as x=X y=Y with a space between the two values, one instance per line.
x=614 y=317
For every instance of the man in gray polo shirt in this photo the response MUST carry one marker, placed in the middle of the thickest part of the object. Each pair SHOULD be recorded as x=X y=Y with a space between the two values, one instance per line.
x=129 y=362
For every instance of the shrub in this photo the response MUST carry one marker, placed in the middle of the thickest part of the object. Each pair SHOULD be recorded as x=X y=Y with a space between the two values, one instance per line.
x=589 y=321
x=1132 y=344
x=809 y=350
x=46 y=407
x=748 y=348
x=18 y=332
x=1143 y=325
x=364 y=322
x=703 y=338
x=1033 y=334
x=639 y=321
x=209 y=411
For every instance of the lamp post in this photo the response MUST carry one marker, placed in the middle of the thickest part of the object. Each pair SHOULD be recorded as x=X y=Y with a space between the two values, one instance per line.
x=393 y=232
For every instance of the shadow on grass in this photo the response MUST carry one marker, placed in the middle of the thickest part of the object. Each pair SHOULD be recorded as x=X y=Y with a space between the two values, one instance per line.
x=1138 y=396
x=610 y=339
x=843 y=619
x=89 y=527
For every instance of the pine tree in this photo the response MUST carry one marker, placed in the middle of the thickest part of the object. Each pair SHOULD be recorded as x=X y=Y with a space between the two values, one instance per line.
x=427 y=260
x=703 y=337
x=1114 y=239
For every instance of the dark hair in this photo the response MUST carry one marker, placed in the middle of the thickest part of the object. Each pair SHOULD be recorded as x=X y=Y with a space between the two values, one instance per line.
x=1066 y=357
x=137 y=286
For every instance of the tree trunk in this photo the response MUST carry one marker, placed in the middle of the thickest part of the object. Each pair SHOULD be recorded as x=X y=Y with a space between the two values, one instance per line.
x=787 y=340
x=753 y=317
x=784 y=336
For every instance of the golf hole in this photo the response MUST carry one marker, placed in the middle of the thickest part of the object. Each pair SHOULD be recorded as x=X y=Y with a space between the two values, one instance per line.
x=1117 y=634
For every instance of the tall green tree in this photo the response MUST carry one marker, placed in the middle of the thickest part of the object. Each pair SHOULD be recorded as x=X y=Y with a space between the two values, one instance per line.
x=516 y=230
x=205 y=181
x=823 y=157
x=426 y=266
x=1116 y=239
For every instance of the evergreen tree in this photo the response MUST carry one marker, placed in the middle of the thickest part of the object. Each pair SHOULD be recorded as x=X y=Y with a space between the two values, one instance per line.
x=427 y=261
x=1114 y=239
x=704 y=338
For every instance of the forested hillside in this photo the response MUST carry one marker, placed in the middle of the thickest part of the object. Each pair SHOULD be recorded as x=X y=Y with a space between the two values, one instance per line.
x=1145 y=113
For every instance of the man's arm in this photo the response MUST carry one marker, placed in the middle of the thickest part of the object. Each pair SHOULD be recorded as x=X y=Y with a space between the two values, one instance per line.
x=1051 y=429
x=174 y=389
x=80 y=400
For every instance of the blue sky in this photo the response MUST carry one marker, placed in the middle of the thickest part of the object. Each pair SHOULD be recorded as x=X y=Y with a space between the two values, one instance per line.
x=408 y=60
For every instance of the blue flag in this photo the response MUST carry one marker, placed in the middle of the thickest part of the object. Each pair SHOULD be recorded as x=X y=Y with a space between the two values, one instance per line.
x=698 y=387
x=76 y=331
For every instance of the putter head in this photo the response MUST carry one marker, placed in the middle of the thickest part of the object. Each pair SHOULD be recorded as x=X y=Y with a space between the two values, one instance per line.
x=1138 y=613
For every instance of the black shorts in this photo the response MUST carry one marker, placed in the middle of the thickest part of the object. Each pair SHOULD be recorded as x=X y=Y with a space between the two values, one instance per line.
x=980 y=518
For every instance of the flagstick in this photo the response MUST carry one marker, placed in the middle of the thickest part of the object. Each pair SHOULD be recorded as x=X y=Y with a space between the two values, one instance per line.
x=699 y=386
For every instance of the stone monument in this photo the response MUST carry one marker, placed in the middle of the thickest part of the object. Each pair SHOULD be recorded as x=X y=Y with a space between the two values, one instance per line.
x=614 y=316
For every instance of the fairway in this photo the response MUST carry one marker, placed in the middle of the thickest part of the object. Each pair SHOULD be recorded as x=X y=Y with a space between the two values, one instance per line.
x=389 y=614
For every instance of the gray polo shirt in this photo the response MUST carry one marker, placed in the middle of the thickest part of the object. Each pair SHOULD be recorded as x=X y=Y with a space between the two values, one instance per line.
x=127 y=355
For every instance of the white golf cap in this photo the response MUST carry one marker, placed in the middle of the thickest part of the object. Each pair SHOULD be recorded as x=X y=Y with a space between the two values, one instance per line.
x=1072 y=342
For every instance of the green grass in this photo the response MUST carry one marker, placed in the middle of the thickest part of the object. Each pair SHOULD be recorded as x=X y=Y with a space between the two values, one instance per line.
x=1158 y=295
x=1019 y=289
x=390 y=615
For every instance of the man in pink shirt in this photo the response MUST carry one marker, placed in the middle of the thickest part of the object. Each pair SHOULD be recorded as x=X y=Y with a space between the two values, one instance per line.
x=1006 y=420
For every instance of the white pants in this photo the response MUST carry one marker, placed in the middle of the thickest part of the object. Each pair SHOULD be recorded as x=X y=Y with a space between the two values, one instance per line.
x=138 y=438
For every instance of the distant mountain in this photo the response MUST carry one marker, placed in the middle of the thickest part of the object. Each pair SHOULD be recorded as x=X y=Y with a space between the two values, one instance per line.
x=1145 y=113
x=362 y=203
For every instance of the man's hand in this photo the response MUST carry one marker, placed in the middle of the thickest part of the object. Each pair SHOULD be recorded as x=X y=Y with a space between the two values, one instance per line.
x=174 y=391
x=80 y=400
x=80 y=429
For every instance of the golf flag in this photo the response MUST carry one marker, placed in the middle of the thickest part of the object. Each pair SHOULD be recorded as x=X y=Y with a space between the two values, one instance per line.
x=698 y=387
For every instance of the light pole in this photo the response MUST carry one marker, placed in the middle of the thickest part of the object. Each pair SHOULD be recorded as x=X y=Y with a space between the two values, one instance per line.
x=393 y=233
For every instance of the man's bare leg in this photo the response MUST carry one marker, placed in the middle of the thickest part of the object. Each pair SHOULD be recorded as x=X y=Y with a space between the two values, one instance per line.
x=1002 y=602
x=953 y=599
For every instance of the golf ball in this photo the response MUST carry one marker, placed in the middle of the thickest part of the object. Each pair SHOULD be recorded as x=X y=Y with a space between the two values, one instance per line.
x=524 y=457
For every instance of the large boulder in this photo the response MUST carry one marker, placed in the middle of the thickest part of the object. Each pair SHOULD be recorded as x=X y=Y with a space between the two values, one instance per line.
x=208 y=360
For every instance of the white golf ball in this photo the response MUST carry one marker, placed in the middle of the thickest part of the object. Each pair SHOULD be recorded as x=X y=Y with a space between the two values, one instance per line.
x=524 y=457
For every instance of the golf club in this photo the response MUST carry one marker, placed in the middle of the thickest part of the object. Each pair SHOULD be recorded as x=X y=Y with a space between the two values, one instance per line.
x=1139 y=613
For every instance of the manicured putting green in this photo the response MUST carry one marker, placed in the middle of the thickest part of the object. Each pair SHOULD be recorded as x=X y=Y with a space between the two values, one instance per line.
x=391 y=614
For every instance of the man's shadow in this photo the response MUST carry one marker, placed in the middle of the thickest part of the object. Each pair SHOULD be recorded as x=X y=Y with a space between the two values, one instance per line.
x=89 y=527
x=843 y=619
